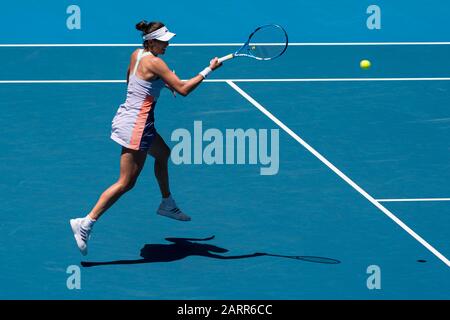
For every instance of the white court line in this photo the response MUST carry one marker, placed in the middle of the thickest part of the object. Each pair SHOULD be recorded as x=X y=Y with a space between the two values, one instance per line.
x=236 y=80
x=340 y=174
x=231 y=44
x=414 y=200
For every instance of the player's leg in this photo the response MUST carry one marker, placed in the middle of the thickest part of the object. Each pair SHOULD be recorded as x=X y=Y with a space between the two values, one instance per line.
x=161 y=152
x=131 y=164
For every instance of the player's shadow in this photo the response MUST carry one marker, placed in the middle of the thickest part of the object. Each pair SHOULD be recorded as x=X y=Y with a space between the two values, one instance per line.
x=185 y=247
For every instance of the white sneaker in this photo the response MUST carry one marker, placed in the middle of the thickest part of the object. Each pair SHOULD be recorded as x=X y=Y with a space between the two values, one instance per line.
x=81 y=234
x=168 y=208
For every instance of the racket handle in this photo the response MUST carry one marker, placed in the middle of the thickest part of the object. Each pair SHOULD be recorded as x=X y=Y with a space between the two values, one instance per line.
x=227 y=57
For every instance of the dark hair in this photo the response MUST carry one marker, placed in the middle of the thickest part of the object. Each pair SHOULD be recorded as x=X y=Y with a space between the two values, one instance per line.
x=148 y=27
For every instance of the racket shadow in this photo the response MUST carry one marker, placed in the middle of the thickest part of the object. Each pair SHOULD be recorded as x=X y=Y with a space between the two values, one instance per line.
x=181 y=248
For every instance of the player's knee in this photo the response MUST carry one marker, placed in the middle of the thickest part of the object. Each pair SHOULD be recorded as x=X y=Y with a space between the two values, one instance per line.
x=126 y=185
x=165 y=153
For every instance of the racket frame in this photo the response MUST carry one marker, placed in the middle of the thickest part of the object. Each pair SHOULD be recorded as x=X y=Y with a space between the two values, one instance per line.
x=246 y=44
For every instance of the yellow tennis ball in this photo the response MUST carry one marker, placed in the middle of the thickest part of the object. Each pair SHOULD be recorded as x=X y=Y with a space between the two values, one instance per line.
x=365 y=64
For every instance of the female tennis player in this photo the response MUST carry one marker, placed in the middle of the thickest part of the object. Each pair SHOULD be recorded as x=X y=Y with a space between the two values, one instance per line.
x=133 y=127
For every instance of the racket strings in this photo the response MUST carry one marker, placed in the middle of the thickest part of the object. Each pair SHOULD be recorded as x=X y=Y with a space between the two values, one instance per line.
x=267 y=42
x=265 y=51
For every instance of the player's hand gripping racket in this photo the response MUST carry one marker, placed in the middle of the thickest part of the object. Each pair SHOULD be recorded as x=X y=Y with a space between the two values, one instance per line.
x=265 y=43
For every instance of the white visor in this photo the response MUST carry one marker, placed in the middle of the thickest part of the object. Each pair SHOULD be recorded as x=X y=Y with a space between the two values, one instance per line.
x=162 y=34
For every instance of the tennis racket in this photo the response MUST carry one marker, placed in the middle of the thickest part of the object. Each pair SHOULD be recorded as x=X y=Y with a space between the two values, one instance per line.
x=265 y=43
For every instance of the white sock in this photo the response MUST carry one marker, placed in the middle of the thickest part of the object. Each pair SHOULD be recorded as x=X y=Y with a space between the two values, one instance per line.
x=88 y=222
x=168 y=199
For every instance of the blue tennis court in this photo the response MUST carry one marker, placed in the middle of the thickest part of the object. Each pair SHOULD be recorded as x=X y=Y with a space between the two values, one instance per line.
x=355 y=175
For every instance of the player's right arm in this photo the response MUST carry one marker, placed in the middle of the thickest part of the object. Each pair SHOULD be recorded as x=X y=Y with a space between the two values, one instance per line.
x=160 y=68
